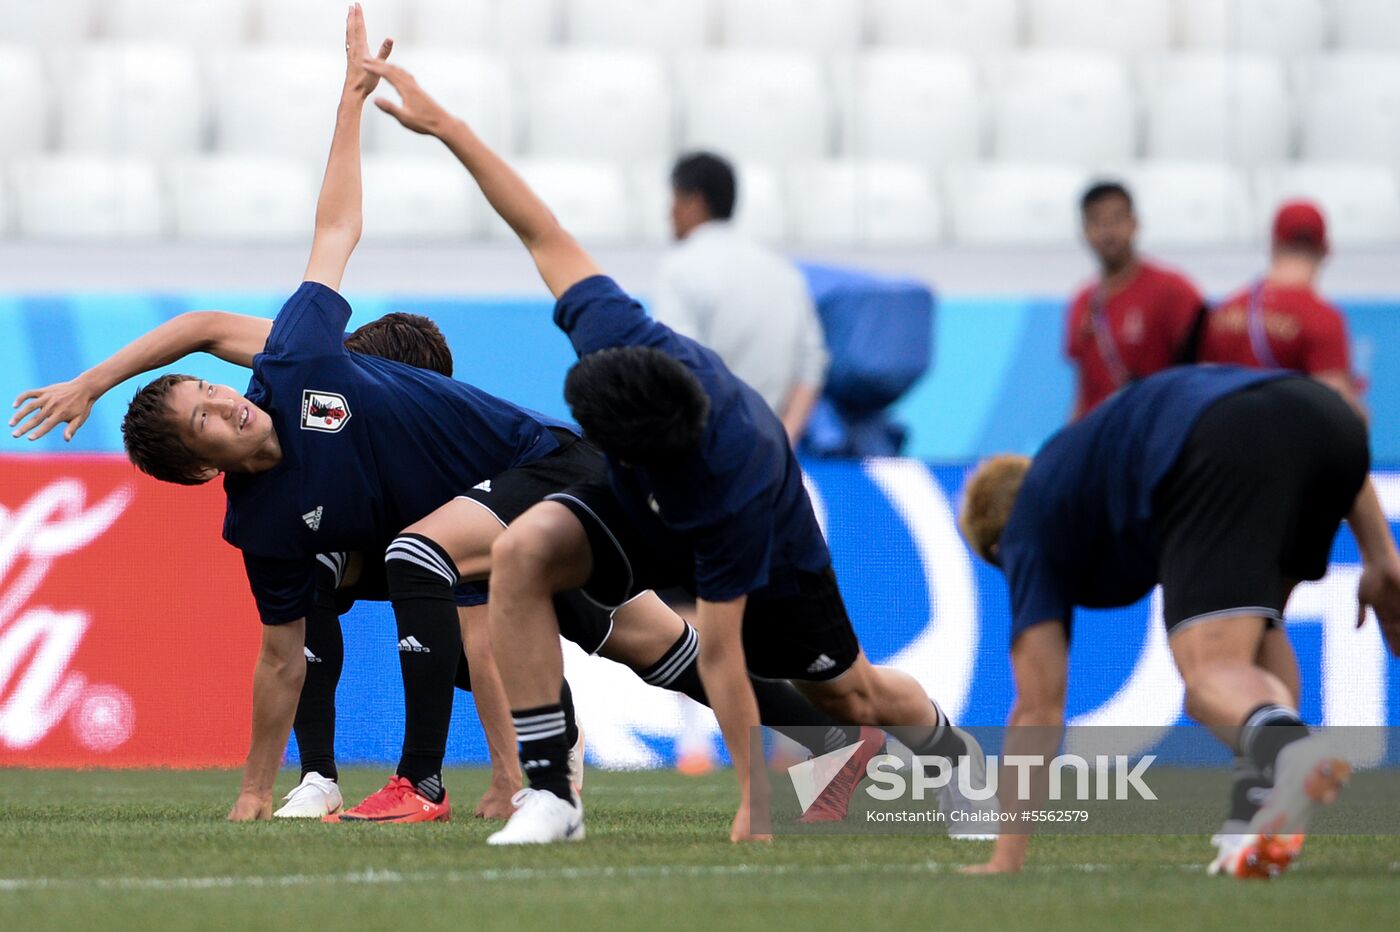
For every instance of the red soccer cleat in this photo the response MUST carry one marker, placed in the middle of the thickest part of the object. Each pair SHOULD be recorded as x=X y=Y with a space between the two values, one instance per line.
x=835 y=800
x=398 y=801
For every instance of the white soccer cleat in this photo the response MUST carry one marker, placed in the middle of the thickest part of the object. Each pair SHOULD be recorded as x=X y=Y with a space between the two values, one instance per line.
x=1228 y=842
x=541 y=818
x=576 y=763
x=951 y=798
x=315 y=797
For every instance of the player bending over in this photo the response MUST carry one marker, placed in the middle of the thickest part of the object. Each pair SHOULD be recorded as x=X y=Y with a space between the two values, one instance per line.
x=1226 y=486
x=701 y=490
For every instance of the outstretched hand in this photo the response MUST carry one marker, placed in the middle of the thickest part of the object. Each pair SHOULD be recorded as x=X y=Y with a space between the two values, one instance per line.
x=357 y=77
x=46 y=408
x=418 y=111
x=1379 y=590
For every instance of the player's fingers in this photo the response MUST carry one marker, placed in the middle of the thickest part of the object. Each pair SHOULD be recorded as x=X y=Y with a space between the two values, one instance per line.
x=389 y=107
x=1360 y=613
x=35 y=427
x=27 y=393
x=33 y=405
x=73 y=426
x=385 y=48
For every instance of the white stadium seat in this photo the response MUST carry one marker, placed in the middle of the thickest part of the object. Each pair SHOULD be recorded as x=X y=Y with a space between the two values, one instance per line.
x=863 y=203
x=131 y=99
x=88 y=197
x=6 y=213
x=1015 y=205
x=1191 y=203
x=604 y=104
x=1062 y=106
x=652 y=25
x=1350 y=106
x=1120 y=26
x=419 y=198
x=1361 y=201
x=1204 y=105
x=199 y=23
x=650 y=186
x=589 y=197
x=48 y=22
x=244 y=199
x=1276 y=27
x=753 y=105
x=906 y=104
x=471 y=84
x=807 y=25
x=23 y=102
x=1372 y=25
x=486 y=24
x=760 y=210
x=966 y=26
x=320 y=24
x=276 y=101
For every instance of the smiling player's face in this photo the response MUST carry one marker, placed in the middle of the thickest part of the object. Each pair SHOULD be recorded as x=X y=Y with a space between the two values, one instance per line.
x=221 y=427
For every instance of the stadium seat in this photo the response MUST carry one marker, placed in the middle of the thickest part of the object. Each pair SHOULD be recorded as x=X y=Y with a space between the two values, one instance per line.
x=276 y=101
x=605 y=104
x=88 y=197
x=1191 y=204
x=1350 y=106
x=320 y=24
x=1015 y=205
x=486 y=24
x=1062 y=106
x=243 y=199
x=419 y=198
x=23 y=105
x=48 y=22
x=651 y=25
x=753 y=105
x=589 y=197
x=862 y=203
x=1204 y=105
x=1361 y=201
x=199 y=23
x=1370 y=25
x=474 y=85
x=806 y=25
x=906 y=104
x=1101 y=25
x=964 y=26
x=131 y=99
x=1276 y=27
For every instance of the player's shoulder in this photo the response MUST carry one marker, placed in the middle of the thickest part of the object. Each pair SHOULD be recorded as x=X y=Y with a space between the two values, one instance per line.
x=1168 y=278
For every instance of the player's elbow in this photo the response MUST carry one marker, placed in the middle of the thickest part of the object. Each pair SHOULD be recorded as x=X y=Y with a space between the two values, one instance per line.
x=342 y=231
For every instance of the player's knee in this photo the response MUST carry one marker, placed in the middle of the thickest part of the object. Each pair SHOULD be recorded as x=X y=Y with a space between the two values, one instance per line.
x=522 y=556
x=416 y=567
x=853 y=706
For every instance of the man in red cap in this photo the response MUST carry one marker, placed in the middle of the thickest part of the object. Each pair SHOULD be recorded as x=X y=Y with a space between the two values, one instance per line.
x=1280 y=321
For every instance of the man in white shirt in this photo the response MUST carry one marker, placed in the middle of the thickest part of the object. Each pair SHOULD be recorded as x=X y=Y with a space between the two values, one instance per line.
x=742 y=300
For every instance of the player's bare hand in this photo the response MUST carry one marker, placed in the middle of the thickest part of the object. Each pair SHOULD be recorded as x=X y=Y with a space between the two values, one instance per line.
x=416 y=111
x=1379 y=590
x=495 y=802
x=250 y=807
x=43 y=409
x=357 y=79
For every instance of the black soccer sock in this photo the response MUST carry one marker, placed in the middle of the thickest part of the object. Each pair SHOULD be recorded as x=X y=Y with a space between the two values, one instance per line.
x=566 y=702
x=544 y=748
x=314 y=724
x=941 y=741
x=421 y=576
x=1248 y=791
x=1266 y=731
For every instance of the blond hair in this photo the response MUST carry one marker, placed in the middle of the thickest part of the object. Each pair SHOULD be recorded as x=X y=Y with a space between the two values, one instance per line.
x=988 y=498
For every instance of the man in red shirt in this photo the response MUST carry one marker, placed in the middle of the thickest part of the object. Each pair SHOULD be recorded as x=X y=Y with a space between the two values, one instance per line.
x=1280 y=322
x=1138 y=318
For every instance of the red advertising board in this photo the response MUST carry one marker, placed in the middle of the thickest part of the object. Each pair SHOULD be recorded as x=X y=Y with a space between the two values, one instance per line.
x=127 y=633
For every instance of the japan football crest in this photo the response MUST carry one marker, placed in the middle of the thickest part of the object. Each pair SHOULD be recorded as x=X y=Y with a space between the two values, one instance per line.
x=324 y=411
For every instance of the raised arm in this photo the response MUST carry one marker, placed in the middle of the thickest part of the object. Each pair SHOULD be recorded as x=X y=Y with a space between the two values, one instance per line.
x=339 y=214
x=559 y=258
x=234 y=338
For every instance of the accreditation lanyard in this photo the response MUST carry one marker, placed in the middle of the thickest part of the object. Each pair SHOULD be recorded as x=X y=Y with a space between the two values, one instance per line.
x=1103 y=337
x=1258 y=335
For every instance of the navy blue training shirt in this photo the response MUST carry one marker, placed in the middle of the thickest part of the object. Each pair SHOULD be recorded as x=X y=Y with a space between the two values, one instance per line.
x=738 y=506
x=369 y=446
x=1080 y=532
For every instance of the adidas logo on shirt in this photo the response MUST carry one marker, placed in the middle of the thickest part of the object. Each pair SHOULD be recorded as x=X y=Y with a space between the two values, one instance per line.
x=411 y=645
x=313 y=518
x=822 y=663
x=310 y=657
x=483 y=486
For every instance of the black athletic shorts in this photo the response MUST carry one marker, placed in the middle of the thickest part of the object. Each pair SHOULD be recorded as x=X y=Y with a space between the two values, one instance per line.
x=801 y=633
x=1254 y=501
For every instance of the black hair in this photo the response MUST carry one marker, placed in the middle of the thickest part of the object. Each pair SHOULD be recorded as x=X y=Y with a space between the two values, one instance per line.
x=709 y=176
x=1102 y=191
x=639 y=405
x=407 y=338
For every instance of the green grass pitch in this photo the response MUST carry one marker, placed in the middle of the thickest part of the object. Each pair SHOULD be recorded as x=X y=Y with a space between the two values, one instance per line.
x=104 y=850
